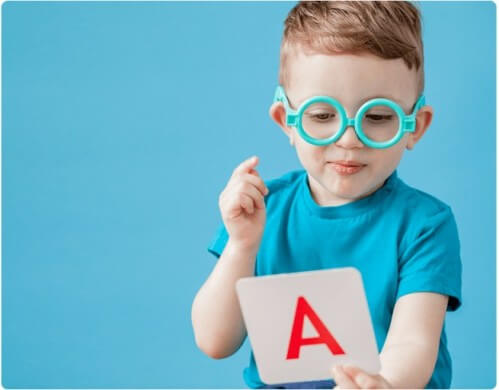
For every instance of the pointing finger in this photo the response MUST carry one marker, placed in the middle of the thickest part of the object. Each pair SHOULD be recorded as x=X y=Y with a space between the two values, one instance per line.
x=247 y=165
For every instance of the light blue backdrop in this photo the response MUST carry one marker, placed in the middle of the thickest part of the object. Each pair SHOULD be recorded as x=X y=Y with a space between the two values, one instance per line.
x=121 y=123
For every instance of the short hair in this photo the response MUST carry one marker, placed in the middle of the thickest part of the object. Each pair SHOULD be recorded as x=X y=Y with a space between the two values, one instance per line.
x=387 y=29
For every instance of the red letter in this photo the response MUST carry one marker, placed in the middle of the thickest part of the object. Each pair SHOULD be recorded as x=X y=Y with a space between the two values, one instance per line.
x=304 y=309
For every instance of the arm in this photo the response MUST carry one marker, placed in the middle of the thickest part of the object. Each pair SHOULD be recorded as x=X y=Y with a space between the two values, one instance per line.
x=216 y=316
x=218 y=325
x=431 y=260
x=411 y=347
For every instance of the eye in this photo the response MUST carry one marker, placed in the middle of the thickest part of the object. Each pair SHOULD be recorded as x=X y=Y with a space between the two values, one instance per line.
x=379 y=117
x=322 y=116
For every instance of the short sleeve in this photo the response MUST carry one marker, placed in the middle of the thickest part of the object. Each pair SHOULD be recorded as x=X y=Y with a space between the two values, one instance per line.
x=432 y=261
x=218 y=242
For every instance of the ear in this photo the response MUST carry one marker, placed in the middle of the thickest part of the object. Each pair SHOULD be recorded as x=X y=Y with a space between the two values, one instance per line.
x=423 y=121
x=278 y=114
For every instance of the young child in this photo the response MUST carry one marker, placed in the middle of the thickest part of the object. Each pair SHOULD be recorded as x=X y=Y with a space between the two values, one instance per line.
x=348 y=207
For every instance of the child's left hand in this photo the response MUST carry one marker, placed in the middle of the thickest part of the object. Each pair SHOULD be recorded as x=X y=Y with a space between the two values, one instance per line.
x=351 y=377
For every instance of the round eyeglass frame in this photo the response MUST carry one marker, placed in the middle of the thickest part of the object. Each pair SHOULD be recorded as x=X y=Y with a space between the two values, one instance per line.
x=407 y=123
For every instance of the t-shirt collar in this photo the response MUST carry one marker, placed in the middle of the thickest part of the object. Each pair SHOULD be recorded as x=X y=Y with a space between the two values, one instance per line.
x=357 y=207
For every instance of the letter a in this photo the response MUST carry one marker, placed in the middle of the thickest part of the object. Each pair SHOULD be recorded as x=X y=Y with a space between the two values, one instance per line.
x=296 y=341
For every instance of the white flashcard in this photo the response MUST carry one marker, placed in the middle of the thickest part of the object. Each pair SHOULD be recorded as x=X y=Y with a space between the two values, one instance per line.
x=301 y=324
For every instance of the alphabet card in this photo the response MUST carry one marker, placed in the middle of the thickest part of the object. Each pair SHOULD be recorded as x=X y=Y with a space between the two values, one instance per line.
x=301 y=324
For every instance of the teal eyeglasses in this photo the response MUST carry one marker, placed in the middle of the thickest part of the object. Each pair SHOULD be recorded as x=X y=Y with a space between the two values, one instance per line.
x=322 y=120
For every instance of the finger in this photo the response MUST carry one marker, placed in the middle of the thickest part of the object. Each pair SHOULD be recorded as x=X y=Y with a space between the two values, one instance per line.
x=253 y=192
x=246 y=165
x=352 y=371
x=342 y=379
x=257 y=182
x=253 y=171
x=367 y=382
x=239 y=197
x=246 y=203
x=235 y=204
x=362 y=378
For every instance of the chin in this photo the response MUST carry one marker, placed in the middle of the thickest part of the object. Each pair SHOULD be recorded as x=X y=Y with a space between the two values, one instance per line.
x=349 y=193
x=345 y=188
x=352 y=190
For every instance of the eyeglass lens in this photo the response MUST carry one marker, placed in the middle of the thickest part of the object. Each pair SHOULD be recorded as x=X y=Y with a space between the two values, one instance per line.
x=321 y=120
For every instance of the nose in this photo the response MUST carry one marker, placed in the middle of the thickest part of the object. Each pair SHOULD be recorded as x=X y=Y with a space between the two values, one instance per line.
x=349 y=139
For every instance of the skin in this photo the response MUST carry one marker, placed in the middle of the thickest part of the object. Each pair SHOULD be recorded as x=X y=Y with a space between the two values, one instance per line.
x=411 y=347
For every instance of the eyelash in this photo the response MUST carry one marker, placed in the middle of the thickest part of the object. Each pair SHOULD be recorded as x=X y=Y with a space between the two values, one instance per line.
x=369 y=116
x=316 y=116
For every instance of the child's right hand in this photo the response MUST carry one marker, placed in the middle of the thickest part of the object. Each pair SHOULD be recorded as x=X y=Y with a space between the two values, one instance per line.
x=243 y=207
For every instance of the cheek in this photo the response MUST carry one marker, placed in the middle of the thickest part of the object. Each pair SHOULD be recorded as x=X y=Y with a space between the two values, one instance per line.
x=310 y=156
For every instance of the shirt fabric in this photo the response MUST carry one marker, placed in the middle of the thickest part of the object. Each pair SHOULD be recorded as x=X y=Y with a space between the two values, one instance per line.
x=402 y=240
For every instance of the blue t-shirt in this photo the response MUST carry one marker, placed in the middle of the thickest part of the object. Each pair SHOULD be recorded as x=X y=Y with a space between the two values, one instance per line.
x=402 y=240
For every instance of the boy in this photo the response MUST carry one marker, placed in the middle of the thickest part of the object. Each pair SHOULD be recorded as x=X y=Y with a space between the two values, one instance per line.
x=347 y=207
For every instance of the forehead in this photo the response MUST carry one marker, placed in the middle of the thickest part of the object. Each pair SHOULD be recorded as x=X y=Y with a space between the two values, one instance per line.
x=350 y=78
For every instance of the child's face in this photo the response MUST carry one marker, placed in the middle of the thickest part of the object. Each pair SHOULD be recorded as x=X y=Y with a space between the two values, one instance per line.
x=352 y=79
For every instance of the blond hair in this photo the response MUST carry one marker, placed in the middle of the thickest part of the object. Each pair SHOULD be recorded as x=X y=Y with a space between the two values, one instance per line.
x=387 y=29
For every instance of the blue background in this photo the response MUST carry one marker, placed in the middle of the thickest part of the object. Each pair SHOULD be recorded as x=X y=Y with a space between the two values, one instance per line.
x=122 y=122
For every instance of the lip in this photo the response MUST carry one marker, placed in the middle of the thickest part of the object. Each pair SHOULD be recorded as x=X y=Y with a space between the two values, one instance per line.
x=348 y=163
x=346 y=167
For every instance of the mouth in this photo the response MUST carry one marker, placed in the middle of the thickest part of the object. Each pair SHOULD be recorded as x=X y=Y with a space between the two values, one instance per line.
x=346 y=167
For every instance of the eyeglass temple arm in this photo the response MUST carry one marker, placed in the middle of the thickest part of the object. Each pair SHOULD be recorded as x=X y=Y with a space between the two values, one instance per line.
x=280 y=96
x=410 y=120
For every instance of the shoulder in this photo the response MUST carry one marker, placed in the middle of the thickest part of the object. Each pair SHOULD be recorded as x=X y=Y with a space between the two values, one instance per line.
x=283 y=191
x=419 y=203
x=424 y=216
x=285 y=184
